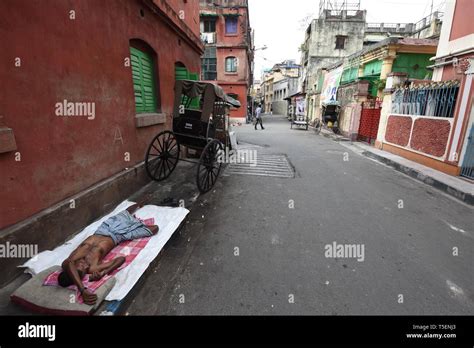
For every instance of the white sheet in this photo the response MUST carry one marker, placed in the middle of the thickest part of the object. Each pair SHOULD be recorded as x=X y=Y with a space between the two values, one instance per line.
x=168 y=219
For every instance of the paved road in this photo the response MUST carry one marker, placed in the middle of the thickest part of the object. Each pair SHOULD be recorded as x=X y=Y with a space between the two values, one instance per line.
x=408 y=231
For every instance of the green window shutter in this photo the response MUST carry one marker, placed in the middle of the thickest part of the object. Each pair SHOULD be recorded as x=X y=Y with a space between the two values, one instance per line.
x=195 y=102
x=349 y=75
x=194 y=76
x=136 y=76
x=181 y=73
x=373 y=68
x=143 y=81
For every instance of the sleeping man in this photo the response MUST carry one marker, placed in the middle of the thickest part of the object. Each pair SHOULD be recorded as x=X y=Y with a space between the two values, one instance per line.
x=87 y=258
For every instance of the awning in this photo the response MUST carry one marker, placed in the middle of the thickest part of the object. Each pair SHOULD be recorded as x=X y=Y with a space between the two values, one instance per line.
x=208 y=14
x=193 y=89
x=335 y=102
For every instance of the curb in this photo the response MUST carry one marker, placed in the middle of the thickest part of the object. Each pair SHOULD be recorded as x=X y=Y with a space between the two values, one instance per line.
x=460 y=195
x=334 y=136
x=119 y=307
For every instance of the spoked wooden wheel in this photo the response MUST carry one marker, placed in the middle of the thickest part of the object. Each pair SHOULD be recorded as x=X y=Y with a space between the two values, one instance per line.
x=209 y=166
x=162 y=156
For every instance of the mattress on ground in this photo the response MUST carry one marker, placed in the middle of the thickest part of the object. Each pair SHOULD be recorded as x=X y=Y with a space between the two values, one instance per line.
x=168 y=220
x=36 y=297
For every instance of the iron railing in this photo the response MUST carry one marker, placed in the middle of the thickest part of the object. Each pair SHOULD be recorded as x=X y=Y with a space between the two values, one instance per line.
x=407 y=28
x=436 y=99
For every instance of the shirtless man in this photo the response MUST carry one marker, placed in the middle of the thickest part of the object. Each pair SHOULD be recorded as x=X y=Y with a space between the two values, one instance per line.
x=87 y=258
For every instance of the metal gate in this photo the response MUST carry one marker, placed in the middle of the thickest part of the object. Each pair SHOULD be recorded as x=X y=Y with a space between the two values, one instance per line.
x=467 y=168
x=369 y=122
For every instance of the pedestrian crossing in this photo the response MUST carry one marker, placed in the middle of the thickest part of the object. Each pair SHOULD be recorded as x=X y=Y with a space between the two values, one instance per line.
x=266 y=165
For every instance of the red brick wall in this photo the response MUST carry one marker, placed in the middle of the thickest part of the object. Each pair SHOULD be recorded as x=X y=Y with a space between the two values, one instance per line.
x=79 y=60
x=241 y=91
x=233 y=45
x=398 y=130
x=187 y=11
x=430 y=136
x=232 y=39
x=234 y=82
x=242 y=68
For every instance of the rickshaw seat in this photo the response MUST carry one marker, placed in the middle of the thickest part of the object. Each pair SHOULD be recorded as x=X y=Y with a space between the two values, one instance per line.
x=194 y=114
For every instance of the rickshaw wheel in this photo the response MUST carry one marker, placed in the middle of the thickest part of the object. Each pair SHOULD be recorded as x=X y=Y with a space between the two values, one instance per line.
x=318 y=126
x=162 y=156
x=209 y=166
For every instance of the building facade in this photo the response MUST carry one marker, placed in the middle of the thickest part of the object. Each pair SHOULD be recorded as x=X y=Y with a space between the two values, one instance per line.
x=81 y=112
x=328 y=39
x=285 y=84
x=436 y=129
x=228 y=57
x=341 y=31
x=268 y=79
x=364 y=75
x=428 y=27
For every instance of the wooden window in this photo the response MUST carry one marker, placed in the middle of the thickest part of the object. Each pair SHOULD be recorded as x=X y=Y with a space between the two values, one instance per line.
x=340 y=42
x=231 y=24
x=231 y=64
x=144 y=84
x=209 y=64
x=208 y=26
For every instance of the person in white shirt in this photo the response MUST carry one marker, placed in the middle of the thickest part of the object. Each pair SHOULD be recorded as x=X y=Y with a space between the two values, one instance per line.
x=258 y=117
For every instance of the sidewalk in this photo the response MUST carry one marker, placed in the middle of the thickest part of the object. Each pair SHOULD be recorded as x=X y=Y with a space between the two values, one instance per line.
x=179 y=186
x=460 y=189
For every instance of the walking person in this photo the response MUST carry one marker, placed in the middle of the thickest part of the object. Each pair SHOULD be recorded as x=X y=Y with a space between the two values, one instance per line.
x=258 y=117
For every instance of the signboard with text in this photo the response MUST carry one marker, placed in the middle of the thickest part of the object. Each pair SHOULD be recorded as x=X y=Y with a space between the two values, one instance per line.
x=330 y=85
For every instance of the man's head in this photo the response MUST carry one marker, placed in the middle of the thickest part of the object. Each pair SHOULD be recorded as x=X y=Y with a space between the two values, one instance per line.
x=65 y=280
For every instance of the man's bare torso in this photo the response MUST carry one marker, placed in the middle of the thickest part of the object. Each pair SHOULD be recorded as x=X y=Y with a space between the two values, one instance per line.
x=95 y=248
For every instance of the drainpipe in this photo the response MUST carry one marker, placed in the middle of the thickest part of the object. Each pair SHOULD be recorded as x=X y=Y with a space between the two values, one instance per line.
x=441 y=64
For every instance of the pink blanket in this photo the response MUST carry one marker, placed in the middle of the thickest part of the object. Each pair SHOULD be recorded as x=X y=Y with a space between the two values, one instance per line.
x=129 y=250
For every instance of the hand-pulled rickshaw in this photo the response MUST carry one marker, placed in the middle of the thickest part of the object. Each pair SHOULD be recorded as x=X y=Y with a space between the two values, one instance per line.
x=330 y=112
x=200 y=122
x=330 y=115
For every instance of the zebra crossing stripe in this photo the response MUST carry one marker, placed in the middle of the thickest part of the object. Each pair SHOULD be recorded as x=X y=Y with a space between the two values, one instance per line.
x=266 y=165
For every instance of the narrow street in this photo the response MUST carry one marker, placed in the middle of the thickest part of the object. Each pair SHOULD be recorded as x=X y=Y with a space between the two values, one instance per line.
x=256 y=244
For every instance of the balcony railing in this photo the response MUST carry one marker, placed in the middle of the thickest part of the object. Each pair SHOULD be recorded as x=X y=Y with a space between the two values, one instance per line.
x=436 y=99
x=406 y=28
x=425 y=22
x=389 y=27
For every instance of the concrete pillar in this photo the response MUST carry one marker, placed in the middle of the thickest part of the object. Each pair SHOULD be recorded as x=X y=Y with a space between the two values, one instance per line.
x=360 y=72
x=384 y=114
x=394 y=80
x=387 y=65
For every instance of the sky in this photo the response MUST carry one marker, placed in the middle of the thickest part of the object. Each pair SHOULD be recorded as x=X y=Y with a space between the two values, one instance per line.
x=278 y=23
